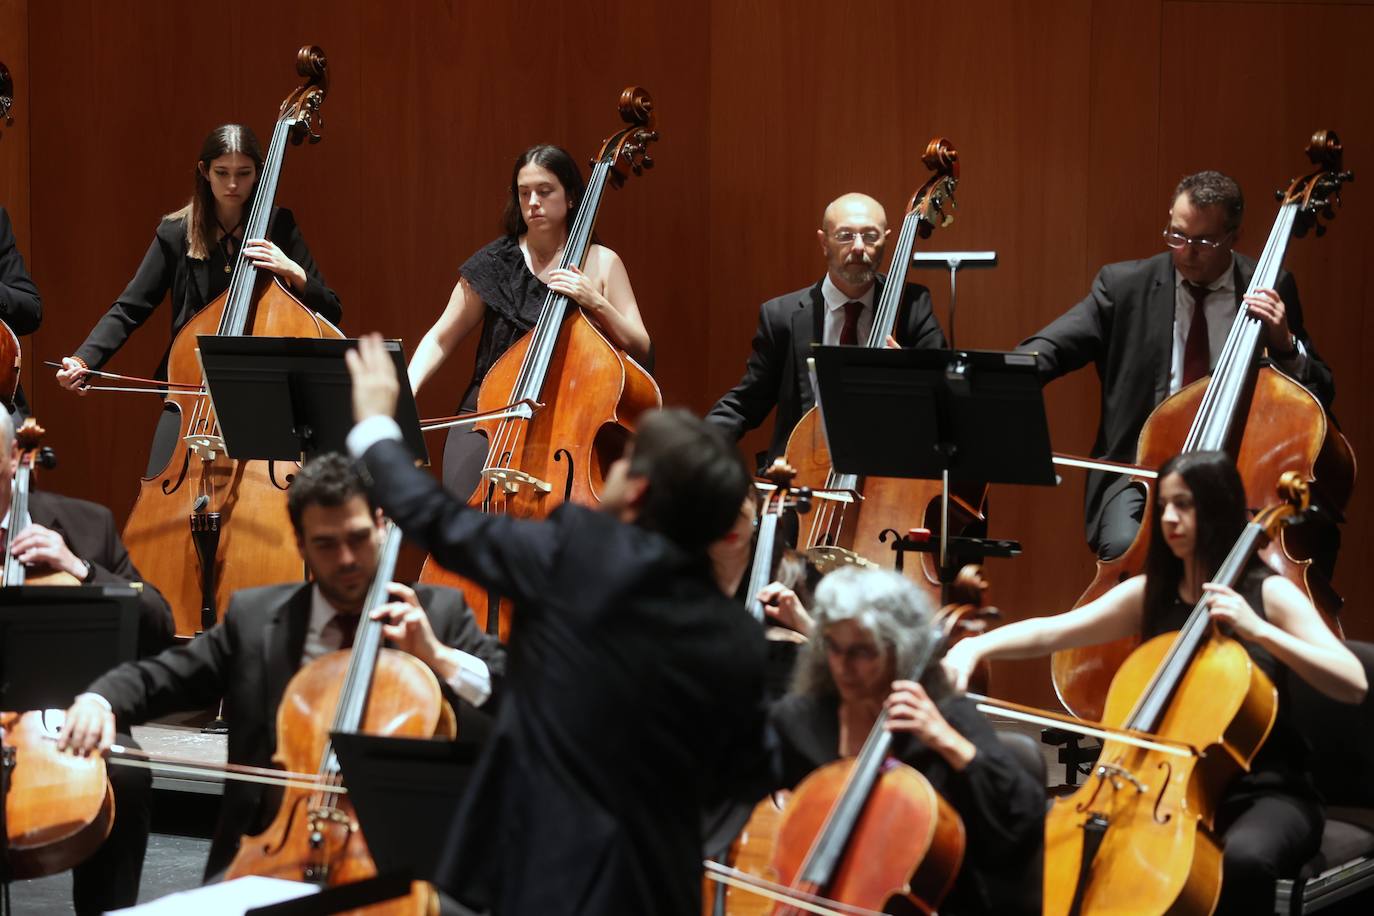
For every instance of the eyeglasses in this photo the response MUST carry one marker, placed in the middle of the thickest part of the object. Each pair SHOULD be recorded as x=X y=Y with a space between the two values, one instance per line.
x=1177 y=240
x=859 y=652
x=871 y=237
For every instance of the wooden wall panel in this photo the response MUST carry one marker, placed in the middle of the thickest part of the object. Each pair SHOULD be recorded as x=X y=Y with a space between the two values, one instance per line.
x=1073 y=120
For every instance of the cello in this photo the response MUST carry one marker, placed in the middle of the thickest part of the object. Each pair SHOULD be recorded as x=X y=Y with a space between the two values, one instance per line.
x=206 y=525
x=57 y=807
x=1136 y=836
x=587 y=394
x=854 y=520
x=1266 y=421
x=368 y=688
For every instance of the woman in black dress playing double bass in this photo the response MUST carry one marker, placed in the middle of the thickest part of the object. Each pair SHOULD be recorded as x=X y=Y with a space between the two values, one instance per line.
x=503 y=286
x=194 y=251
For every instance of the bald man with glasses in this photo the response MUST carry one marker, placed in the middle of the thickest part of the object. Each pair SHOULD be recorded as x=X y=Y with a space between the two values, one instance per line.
x=838 y=309
x=1156 y=325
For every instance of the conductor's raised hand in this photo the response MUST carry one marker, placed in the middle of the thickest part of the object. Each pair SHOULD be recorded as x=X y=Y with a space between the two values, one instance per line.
x=375 y=386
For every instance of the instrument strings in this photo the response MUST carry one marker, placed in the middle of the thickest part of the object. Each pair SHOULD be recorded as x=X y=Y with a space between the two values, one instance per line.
x=533 y=369
x=1220 y=400
x=828 y=518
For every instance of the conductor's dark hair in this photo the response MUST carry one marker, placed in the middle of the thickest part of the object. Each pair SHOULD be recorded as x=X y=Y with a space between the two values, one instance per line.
x=329 y=480
x=1221 y=513
x=696 y=480
x=564 y=168
x=1213 y=189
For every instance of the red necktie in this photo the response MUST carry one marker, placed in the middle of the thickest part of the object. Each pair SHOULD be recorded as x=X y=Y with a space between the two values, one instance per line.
x=849 y=334
x=1196 y=352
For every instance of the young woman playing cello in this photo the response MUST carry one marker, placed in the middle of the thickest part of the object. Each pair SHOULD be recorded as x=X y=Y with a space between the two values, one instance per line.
x=503 y=285
x=868 y=626
x=194 y=251
x=1270 y=817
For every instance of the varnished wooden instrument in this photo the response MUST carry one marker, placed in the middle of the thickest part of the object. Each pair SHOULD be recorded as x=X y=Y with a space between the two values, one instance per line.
x=1267 y=422
x=856 y=521
x=31 y=453
x=1136 y=837
x=206 y=525
x=315 y=835
x=587 y=392
x=59 y=807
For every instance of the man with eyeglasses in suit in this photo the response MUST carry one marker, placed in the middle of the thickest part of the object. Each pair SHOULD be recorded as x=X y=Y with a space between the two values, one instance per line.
x=1142 y=328
x=839 y=309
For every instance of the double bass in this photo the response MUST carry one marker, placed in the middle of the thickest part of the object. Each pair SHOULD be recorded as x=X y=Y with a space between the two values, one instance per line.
x=206 y=525
x=573 y=396
x=1136 y=836
x=855 y=521
x=371 y=689
x=1267 y=422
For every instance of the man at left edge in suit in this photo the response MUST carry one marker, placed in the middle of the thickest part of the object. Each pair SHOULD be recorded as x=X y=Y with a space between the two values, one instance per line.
x=839 y=309
x=266 y=636
x=78 y=537
x=20 y=306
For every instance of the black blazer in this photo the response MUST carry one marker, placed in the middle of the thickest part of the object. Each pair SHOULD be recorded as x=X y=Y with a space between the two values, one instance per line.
x=20 y=306
x=247 y=659
x=775 y=372
x=167 y=266
x=90 y=533
x=633 y=684
x=1125 y=328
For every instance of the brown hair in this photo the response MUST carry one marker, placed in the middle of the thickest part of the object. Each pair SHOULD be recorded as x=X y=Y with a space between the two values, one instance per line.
x=199 y=212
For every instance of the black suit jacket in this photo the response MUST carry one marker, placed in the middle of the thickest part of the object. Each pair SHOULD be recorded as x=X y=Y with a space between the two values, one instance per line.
x=248 y=658
x=633 y=684
x=1125 y=328
x=20 y=306
x=90 y=533
x=167 y=266
x=775 y=373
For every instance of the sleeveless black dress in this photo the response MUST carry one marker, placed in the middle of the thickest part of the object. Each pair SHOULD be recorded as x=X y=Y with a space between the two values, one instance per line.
x=513 y=298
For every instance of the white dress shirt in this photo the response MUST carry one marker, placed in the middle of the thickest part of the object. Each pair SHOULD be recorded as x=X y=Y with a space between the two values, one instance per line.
x=834 y=313
x=1220 y=310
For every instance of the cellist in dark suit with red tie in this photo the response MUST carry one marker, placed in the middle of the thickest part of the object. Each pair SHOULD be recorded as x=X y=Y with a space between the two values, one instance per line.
x=1139 y=326
x=837 y=310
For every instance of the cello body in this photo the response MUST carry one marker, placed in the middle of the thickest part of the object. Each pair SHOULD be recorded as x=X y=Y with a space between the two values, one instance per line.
x=255 y=544
x=1158 y=853
x=314 y=838
x=907 y=844
x=1285 y=428
x=59 y=807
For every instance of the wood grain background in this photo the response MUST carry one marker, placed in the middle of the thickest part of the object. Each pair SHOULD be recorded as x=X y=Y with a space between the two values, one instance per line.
x=1073 y=119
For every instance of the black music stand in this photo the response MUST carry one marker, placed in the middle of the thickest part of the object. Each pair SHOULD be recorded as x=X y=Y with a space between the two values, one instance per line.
x=948 y=415
x=281 y=398
x=90 y=628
